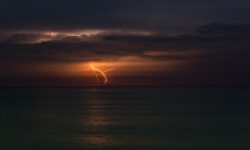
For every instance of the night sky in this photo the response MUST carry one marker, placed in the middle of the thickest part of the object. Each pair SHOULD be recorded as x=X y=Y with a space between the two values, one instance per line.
x=142 y=42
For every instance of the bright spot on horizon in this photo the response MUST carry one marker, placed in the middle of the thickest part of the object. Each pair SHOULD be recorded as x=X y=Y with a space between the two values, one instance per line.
x=98 y=72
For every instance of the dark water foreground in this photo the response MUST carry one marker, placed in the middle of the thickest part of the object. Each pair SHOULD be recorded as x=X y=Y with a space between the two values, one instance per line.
x=125 y=118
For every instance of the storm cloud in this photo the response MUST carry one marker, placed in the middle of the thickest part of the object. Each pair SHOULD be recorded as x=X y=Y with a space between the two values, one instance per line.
x=172 y=16
x=212 y=37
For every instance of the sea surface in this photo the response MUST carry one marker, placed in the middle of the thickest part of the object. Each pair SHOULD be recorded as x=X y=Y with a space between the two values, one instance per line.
x=125 y=118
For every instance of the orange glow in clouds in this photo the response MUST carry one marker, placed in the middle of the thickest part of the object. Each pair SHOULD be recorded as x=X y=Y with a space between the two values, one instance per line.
x=98 y=72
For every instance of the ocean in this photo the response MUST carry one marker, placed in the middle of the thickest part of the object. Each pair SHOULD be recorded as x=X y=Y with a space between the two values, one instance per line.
x=125 y=118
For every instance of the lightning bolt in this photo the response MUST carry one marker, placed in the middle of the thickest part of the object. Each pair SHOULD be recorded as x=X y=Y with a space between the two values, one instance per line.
x=102 y=73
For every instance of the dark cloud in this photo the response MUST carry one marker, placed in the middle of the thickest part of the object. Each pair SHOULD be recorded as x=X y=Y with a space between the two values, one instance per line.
x=216 y=52
x=22 y=38
x=217 y=29
x=173 y=16
x=219 y=38
x=160 y=30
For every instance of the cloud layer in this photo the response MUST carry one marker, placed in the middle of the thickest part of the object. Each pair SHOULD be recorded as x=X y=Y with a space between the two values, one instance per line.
x=172 y=16
x=215 y=52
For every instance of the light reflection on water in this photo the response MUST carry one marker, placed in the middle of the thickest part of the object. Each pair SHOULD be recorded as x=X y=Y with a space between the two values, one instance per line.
x=97 y=121
x=125 y=118
x=97 y=140
x=97 y=118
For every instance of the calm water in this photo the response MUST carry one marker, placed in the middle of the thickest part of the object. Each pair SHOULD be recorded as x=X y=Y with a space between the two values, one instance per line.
x=125 y=118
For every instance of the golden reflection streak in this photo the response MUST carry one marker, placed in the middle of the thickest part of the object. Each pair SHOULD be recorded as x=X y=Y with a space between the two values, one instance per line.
x=97 y=119
x=98 y=140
